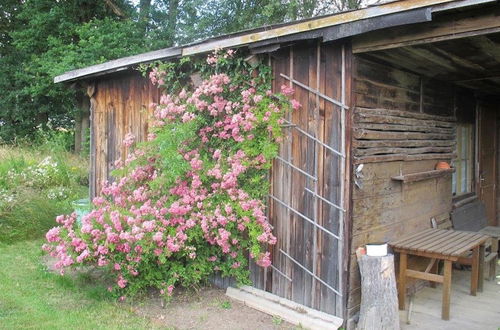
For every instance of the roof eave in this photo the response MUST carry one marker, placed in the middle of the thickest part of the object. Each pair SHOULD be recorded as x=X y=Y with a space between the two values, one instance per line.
x=119 y=64
x=239 y=40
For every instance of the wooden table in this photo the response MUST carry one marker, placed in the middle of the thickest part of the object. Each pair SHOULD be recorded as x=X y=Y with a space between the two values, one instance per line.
x=440 y=244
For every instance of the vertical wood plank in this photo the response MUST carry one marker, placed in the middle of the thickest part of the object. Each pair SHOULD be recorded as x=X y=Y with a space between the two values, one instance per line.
x=342 y=179
x=299 y=145
x=122 y=106
x=320 y=114
x=103 y=162
x=309 y=108
x=287 y=193
x=93 y=108
x=110 y=131
x=281 y=188
x=347 y=220
x=331 y=186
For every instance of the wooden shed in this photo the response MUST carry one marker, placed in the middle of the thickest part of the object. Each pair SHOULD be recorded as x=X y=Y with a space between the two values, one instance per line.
x=386 y=92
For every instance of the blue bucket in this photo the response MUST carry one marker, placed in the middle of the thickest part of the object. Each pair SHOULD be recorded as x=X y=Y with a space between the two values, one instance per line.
x=81 y=207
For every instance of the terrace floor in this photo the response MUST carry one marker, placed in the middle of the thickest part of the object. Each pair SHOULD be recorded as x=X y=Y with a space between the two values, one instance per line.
x=467 y=312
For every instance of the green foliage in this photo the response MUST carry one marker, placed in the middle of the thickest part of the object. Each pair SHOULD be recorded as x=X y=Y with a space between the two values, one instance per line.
x=277 y=320
x=37 y=183
x=190 y=201
x=176 y=76
x=51 y=141
x=226 y=304
x=44 y=38
x=40 y=39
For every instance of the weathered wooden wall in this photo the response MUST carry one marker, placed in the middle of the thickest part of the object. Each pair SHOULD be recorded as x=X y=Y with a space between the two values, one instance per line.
x=384 y=135
x=403 y=123
x=388 y=105
x=120 y=104
x=384 y=209
x=318 y=66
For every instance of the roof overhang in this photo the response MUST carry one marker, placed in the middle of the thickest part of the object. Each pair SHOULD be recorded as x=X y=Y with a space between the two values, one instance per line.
x=331 y=27
x=118 y=64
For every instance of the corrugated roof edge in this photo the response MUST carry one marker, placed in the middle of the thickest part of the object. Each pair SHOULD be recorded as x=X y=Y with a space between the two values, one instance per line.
x=252 y=36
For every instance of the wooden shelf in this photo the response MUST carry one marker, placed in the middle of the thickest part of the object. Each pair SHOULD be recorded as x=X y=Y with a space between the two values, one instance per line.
x=420 y=176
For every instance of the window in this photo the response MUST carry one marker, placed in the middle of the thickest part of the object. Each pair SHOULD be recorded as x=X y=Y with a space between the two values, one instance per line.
x=463 y=177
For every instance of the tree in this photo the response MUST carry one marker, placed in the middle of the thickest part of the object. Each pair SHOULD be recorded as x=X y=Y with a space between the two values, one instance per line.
x=199 y=19
x=43 y=38
x=40 y=39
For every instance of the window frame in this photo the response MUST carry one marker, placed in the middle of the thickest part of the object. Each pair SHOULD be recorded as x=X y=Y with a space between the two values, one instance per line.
x=465 y=167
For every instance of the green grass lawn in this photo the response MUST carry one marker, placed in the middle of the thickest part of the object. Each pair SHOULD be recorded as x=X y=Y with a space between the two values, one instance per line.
x=31 y=297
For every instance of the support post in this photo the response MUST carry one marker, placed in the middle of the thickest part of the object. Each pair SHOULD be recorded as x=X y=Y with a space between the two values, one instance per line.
x=445 y=313
x=475 y=271
x=480 y=277
x=403 y=262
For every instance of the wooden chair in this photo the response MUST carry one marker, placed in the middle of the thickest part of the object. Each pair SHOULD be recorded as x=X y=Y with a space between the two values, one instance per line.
x=470 y=217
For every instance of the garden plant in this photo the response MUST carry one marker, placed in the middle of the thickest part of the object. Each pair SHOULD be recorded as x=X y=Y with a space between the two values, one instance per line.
x=190 y=201
x=39 y=179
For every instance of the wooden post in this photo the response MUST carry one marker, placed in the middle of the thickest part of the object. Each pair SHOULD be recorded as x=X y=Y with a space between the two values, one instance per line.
x=403 y=262
x=475 y=271
x=378 y=293
x=434 y=270
x=480 y=277
x=493 y=264
x=445 y=312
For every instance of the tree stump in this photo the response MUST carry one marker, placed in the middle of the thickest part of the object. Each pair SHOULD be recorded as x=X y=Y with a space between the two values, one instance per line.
x=379 y=296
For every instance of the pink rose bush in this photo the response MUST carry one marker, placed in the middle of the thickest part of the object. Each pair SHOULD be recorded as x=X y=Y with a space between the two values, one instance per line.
x=190 y=200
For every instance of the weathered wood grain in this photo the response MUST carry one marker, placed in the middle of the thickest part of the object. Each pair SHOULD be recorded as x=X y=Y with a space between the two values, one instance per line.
x=443 y=120
x=402 y=143
x=366 y=134
x=403 y=128
x=363 y=117
x=376 y=86
x=404 y=157
x=400 y=116
x=120 y=106
x=379 y=304
x=331 y=177
x=420 y=176
x=384 y=209
x=408 y=151
x=320 y=68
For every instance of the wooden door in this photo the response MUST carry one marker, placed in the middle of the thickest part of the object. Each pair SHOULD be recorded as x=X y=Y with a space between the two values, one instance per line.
x=486 y=182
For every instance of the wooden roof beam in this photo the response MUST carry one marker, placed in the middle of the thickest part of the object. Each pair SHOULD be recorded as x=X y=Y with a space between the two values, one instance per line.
x=462 y=25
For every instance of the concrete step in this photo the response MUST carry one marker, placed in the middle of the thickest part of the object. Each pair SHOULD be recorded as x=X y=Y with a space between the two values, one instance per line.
x=287 y=310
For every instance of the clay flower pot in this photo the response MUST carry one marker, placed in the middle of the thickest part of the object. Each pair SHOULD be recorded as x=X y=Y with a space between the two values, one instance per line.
x=442 y=166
